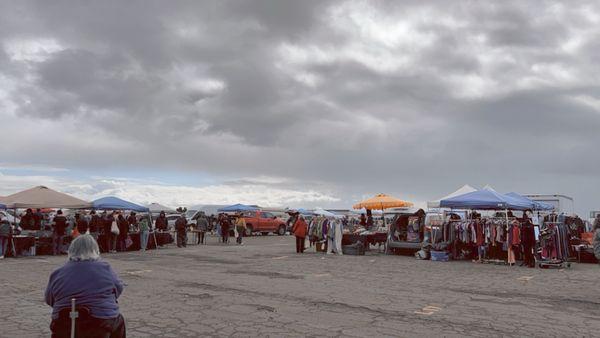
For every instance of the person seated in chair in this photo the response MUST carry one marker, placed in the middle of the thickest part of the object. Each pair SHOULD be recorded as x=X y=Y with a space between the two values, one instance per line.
x=95 y=287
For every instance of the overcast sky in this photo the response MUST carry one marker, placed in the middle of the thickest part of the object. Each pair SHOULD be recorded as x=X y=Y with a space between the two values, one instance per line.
x=299 y=103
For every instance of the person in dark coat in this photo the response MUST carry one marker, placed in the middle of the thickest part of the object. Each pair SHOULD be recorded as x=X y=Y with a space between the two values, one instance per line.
x=161 y=222
x=38 y=217
x=528 y=242
x=123 y=225
x=95 y=224
x=181 y=227
x=110 y=238
x=225 y=225
x=28 y=221
x=132 y=220
x=81 y=224
x=202 y=225
x=58 y=232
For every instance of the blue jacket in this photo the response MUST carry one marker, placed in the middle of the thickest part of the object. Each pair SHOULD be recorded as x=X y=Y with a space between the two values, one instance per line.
x=93 y=283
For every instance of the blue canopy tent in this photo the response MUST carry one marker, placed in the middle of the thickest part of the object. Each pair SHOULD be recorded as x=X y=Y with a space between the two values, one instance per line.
x=486 y=199
x=239 y=207
x=2 y=206
x=535 y=205
x=115 y=203
x=305 y=212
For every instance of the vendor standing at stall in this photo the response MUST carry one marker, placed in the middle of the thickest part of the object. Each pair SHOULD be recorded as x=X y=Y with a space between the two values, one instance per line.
x=27 y=221
x=58 y=232
x=161 y=222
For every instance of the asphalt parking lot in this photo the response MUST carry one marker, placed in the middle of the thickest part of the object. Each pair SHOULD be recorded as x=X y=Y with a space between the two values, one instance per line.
x=264 y=289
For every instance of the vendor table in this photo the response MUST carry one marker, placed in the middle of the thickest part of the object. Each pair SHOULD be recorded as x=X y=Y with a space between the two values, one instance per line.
x=162 y=238
x=23 y=245
x=366 y=239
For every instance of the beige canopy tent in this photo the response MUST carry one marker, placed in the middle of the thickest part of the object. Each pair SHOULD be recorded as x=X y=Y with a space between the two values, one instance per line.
x=43 y=197
x=156 y=208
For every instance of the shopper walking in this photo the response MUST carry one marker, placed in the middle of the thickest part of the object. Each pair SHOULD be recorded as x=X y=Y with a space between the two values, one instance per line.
x=225 y=224
x=58 y=232
x=596 y=239
x=144 y=225
x=299 y=229
x=5 y=233
x=240 y=227
x=95 y=287
x=181 y=228
x=202 y=228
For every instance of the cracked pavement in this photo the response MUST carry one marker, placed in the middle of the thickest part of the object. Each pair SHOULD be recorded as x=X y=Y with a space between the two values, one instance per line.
x=264 y=289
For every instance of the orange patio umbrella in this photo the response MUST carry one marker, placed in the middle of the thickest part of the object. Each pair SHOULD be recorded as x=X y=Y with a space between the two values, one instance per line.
x=381 y=202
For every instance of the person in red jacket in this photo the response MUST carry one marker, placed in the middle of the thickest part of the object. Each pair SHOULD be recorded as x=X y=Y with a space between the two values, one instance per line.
x=299 y=230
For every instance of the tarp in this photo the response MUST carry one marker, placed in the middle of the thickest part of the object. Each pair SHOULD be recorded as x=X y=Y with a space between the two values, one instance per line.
x=239 y=207
x=535 y=205
x=115 y=203
x=2 y=206
x=43 y=197
x=155 y=207
x=461 y=191
x=485 y=199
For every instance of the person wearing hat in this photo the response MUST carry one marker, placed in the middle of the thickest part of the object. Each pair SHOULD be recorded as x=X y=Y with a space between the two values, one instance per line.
x=181 y=227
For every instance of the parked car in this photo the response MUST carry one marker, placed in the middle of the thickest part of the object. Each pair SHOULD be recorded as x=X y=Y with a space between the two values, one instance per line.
x=406 y=232
x=263 y=222
x=193 y=216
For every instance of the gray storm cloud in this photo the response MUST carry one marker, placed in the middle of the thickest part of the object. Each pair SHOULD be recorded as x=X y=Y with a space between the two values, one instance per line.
x=354 y=97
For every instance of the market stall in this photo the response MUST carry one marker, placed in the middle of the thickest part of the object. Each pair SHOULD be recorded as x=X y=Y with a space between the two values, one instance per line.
x=28 y=241
x=115 y=203
x=370 y=235
x=497 y=238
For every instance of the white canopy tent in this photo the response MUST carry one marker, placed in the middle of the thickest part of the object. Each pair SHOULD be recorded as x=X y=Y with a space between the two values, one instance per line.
x=43 y=197
x=463 y=190
x=156 y=208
